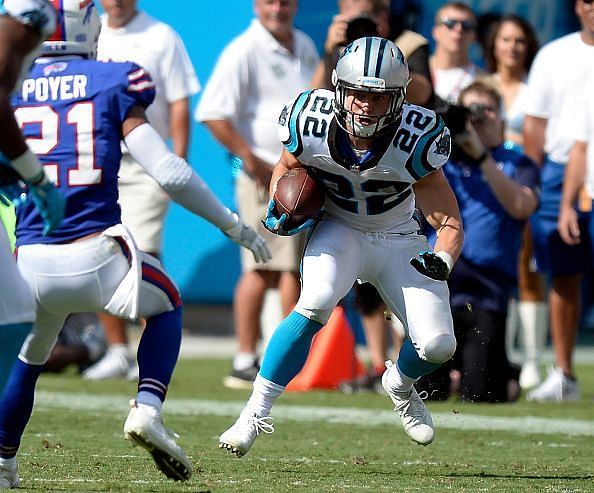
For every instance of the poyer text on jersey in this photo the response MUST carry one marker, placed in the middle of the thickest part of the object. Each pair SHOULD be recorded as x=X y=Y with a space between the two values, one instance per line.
x=61 y=87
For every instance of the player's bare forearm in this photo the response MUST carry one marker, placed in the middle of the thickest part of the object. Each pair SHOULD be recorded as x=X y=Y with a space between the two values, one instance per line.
x=286 y=162
x=12 y=143
x=438 y=204
x=135 y=117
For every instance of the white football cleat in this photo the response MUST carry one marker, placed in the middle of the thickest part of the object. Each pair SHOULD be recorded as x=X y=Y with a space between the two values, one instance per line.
x=415 y=417
x=556 y=387
x=144 y=427
x=9 y=474
x=114 y=364
x=239 y=438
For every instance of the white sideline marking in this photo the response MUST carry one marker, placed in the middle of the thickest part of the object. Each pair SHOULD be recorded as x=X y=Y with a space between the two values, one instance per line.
x=351 y=416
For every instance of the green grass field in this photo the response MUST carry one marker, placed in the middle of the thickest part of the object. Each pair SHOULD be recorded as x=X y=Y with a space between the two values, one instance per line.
x=324 y=441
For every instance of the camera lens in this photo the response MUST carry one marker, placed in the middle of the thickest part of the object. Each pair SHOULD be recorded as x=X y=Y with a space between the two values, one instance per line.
x=360 y=27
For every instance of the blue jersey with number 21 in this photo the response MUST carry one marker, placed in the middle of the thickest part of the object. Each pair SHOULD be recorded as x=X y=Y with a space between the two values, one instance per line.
x=71 y=112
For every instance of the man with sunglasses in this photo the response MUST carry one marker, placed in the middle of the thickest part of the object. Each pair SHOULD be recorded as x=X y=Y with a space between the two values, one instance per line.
x=556 y=76
x=454 y=32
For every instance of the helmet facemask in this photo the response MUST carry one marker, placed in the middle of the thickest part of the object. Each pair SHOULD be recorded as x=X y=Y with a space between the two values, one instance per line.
x=77 y=32
x=349 y=121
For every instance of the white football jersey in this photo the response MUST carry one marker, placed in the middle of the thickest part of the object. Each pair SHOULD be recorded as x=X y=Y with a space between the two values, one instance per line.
x=372 y=193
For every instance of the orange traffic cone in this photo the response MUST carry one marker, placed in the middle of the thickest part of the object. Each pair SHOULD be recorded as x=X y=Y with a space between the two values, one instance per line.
x=332 y=357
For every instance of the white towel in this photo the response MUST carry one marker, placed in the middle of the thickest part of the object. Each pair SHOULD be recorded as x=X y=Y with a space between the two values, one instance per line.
x=124 y=302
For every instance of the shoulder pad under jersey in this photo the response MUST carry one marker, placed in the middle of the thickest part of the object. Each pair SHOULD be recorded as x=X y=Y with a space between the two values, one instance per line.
x=304 y=122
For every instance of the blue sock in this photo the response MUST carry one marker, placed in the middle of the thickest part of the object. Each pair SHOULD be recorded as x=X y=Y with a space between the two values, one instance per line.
x=16 y=406
x=11 y=339
x=158 y=352
x=288 y=348
x=411 y=364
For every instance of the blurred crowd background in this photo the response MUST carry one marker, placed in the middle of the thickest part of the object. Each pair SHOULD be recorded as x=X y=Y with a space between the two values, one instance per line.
x=205 y=253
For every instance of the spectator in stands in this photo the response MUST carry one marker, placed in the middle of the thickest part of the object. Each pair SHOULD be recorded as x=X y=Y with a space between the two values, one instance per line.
x=343 y=29
x=557 y=74
x=510 y=50
x=454 y=32
x=580 y=168
x=124 y=30
x=496 y=189
x=255 y=76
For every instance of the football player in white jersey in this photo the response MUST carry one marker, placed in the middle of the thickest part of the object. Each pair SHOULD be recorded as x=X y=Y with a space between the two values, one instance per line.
x=24 y=24
x=375 y=155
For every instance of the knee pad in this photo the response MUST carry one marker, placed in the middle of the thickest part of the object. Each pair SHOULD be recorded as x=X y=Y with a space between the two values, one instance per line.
x=440 y=348
x=318 y=303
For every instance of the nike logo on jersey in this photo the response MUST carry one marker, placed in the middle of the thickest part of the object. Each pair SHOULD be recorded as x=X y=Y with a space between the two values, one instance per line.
x=62 y=87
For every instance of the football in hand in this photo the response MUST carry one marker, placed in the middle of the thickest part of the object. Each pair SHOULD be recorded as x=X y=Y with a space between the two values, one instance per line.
x=299 y=196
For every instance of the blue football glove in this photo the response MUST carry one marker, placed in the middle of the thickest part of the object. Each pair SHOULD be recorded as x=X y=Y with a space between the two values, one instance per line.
x=276 y=224
x=431 y=265
x=49 y=202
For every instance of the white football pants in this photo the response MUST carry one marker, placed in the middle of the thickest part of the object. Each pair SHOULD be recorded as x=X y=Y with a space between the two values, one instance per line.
x=337 y=255
x=83 y=277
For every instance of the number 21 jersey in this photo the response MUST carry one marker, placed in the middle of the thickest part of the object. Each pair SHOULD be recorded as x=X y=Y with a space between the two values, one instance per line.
x=71 y=113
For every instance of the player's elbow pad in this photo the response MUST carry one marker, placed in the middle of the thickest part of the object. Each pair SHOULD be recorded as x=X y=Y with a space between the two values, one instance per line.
x=147 y=148
x=173 y=173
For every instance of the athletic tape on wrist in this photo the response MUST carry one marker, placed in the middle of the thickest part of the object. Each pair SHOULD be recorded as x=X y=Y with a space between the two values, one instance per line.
x=447 y=258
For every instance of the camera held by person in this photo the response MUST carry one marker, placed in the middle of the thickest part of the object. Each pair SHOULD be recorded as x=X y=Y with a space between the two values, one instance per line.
x=359 y=27
x=458 y=118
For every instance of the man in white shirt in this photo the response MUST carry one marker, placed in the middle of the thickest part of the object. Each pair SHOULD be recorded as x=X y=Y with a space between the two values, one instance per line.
x=255 y=76
x=454 y=32
x=128 y=34
x=580 y=168
x=557 y=74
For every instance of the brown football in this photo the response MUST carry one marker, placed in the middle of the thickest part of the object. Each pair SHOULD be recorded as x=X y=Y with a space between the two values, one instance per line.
x=299 y=196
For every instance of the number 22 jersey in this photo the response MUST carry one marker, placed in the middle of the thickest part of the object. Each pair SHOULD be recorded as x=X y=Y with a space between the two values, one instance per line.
x=372 y=191
x=71 y=111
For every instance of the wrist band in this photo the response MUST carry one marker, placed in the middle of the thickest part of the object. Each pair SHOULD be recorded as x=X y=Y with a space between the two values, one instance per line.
x=27 y=165
x=447 y=258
